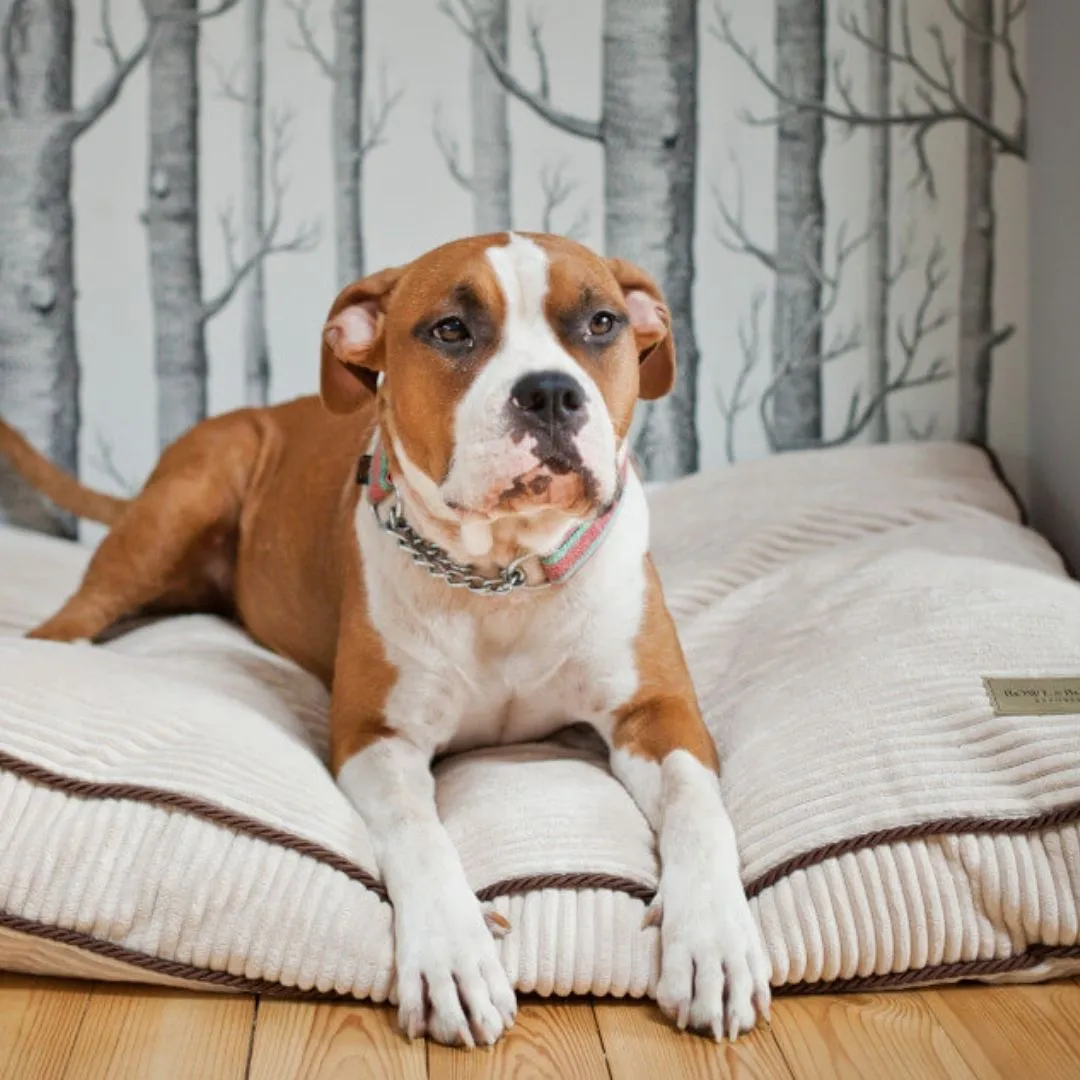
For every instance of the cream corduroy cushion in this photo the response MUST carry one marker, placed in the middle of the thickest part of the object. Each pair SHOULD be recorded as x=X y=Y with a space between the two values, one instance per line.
x=165 y=812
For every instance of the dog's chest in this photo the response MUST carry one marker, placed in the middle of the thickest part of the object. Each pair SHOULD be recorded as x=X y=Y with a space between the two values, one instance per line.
x=483 y=670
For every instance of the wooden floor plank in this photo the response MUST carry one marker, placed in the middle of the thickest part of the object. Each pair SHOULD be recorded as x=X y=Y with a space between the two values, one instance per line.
x=549 y=1041
x=1013 y=1031
x=865 y=1035
x=39 y=1023
x=331 y=1041
x=141 y=1032
x=641 y=1042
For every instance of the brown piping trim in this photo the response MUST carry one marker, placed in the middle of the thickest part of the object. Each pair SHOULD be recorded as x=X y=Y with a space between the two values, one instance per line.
x=1062 y=815
x=193 y=805
x=999 y=474
x=968 y=969
x=536 y=882
x=173 y=968
x=1021 y=508
x=219 y=815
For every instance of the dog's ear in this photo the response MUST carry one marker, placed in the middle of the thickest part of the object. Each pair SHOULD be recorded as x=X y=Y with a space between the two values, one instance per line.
x=651 y=323
x=352 y=347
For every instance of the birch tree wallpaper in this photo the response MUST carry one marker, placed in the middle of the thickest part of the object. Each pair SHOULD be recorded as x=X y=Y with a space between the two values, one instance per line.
x=830 y=192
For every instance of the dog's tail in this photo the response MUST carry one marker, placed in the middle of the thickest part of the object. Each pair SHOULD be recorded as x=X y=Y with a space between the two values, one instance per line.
x=56 y=485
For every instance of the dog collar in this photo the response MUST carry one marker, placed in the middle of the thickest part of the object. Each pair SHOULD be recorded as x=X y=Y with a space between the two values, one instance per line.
x=575 y=550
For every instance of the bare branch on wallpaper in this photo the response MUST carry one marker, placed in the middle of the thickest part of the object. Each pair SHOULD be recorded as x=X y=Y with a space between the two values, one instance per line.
x=379 y=113
x=102 y=98
x=557 y=189
x=123 y=65
x=735 y=235
x=301 y=12
x=910 y=339
x=795 y=341
x=904 y=255
x=104 y=460
x=304 y=238
x=107 y=39
x=228 y=86
x=937 y=88
x=793 y=346
x=450 y=149
x=919 y=432
x=536 y=42
x=468 y=22
x=749 y=335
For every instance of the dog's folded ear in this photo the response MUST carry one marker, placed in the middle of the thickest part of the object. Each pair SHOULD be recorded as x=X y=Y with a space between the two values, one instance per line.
x=650 y=320
x=352 y=345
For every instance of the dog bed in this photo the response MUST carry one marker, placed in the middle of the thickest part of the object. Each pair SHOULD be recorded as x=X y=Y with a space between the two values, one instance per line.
x=166 y=814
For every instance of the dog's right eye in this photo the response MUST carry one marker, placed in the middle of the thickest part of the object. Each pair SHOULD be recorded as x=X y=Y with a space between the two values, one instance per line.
x=451 y=331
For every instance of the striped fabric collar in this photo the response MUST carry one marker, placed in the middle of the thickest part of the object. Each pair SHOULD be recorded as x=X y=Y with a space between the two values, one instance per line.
x=576 y=548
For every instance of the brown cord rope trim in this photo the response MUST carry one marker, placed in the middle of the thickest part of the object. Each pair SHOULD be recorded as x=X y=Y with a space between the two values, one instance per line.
x=1047 y=819
x=577 y=882
x=219 y=815
x=970 y=969
x=193 y=805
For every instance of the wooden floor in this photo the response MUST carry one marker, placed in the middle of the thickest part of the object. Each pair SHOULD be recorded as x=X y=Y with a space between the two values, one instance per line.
x=86 y=1031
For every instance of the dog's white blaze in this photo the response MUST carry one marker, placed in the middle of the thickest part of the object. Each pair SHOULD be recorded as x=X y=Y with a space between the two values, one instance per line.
x=528 y=344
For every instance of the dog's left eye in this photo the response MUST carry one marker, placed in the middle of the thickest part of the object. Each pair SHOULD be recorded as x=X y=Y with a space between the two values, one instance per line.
x=601 y=324
x=451 y=331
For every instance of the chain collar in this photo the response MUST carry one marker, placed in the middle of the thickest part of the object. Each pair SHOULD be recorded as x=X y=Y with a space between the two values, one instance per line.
x=438 y=563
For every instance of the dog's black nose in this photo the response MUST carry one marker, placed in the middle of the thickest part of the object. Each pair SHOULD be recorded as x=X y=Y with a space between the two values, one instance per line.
x=549 y=398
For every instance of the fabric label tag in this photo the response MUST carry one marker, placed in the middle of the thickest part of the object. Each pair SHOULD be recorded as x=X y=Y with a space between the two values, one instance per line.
x=1033 y=697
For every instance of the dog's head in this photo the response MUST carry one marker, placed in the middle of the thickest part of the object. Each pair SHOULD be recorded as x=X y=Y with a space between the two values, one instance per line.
x=507 y=368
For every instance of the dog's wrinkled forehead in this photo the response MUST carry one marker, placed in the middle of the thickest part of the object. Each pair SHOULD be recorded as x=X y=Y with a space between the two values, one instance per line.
x=465 y=299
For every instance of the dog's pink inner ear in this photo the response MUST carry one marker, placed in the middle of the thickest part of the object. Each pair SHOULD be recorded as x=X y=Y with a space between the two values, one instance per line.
x=647 y=317
x=351 y=332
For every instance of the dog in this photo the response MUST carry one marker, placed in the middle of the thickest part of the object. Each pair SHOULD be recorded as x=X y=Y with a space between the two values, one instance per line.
x=453 y=538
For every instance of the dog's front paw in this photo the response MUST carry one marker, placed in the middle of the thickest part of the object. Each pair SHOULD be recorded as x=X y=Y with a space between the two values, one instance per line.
x=451 y=984
x=714 y=974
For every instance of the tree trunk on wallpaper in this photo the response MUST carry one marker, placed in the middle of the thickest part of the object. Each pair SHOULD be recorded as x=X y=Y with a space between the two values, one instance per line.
x=490 y=177
x=172 y=221
x=39 y=367
x=253 y=178
x=796 y=414
x=347 y=73
x=879 y=75
x=649 y=133
x=650 y=176
x=977 y=260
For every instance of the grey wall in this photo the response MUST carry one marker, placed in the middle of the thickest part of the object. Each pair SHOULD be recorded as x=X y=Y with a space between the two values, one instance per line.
x=1054 y=401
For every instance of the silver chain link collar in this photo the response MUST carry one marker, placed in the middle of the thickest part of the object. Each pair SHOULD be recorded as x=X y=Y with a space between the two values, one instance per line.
x=438 y=563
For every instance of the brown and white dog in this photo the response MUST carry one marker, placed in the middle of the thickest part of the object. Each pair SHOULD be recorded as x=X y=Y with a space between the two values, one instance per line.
x=494 y=380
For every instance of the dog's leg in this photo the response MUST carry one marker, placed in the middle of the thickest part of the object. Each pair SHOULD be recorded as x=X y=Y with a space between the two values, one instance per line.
x=451 y=984
x=171 y=548
x=714 y=973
